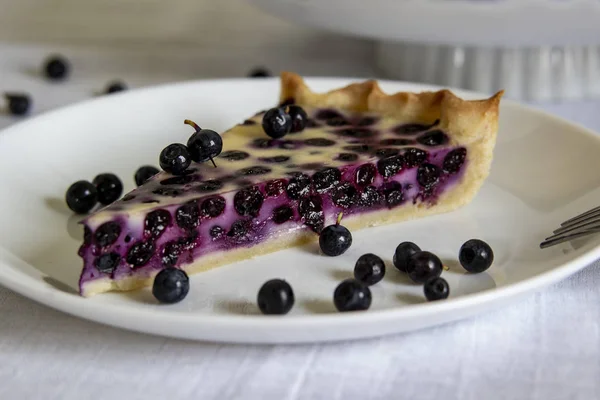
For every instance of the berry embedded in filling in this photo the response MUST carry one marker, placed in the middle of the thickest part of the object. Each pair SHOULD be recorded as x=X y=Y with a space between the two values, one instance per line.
x=268 y=188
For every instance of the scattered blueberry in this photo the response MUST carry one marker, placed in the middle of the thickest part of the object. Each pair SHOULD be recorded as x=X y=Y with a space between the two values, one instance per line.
x=144 y=173
x=366 y=121
x=204 y=144
x=116 y=86
x=107 y=233
x=277 y=123
x=156 y=223
x=319 y=142
x=171 y=253
x=386 y=152
x=187 y=216
x=217 y=232
x=423 y=266
x=177 y=180
x=390 y=166
x=107 y=263
x=433 y=138
x=248 y=201
x=140 y=253
x=282 y=214
x=234 y=155
x=476 y=256
x=239 y=229
x=365 y=174
x=454 y=160
x=275 y=297
x=171 y=285
x=414 y=157
x=299 y=118
x=326 y=179
x=352 y=295
x=392 y=193
x=410 y=129
x=428 y=175
x=81 y=197
x=346 y=157
x=359 y=133
x=18 y=103
x=402 y=254
x=335 y=239
x=369 y=269
x=337 y=121
x=369 y=197
x=436 y=289
x=212 y=207
x=298 y=186
x=344 y=195
x=209 y=186
x=359 y=148
x=275 y=159
x=56 y=68
x=254 y=170
x=395 y=142
x=275 y=187
x=310 y=209
x=175 y=158
x=259 y=72
x=109 y=188
x=327 y=114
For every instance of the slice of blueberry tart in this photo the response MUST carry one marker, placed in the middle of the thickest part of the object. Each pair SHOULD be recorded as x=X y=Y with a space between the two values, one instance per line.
x=286 y=173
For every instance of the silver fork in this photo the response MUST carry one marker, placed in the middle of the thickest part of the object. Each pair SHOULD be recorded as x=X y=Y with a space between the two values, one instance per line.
x=583 y=224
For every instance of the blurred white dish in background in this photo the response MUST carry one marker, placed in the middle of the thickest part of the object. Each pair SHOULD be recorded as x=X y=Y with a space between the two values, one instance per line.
x=535 y=49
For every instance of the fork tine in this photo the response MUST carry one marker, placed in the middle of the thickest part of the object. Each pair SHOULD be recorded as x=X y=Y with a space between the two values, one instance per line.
x=561 y=238
x=595 y=211
x=588 y=222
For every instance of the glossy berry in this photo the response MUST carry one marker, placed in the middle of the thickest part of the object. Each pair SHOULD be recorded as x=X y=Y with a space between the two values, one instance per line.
x=402 y=253
x=275 y=297
x=144 y=173
x=171 y=285
x=299 y=118
x=116 y=86
x=423 y=266
x=454 y=160
x=56 y=68
x=277 y=123
x=334 y=240
x=175 y=158
x=109 y=188
x=81 y=197
x=259 y=72
x=352 y=295
x=436 y=289
x=204 y=144
x=476 y=256
x=369 y=269
x=18 y=104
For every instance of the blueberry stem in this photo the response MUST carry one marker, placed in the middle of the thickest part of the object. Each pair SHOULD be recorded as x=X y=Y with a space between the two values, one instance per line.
x=445 y=267
x=194 y=125
x=339 y=218
x=213 y=161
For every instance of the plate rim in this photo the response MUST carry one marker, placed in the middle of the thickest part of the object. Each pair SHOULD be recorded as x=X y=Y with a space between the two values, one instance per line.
x=14 y=278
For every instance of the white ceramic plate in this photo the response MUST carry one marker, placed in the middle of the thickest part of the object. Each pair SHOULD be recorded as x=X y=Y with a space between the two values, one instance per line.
x=545 y=170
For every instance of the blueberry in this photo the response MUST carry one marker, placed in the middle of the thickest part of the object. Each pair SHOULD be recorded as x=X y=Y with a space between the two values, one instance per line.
x=436 y=289
x=216 y=232
x=156 y=223
x=428 y=175
x=369 y=269
x=414 y=157
x=56 y=68
x=334 y=240
x=248 y=201
x=162 y=192
x=359 y=148
x=395 y=142
x=81 y=197
x=423 y=266
x=346 y=157
x=344 y=195
x=275 y=187
x=327 y=114
x=386 y=152
x=299 y=118
x=319 y=142
x=369 y=197
x=18 y=104
x=298 y=186
x=365 y=174
x=109 y=188
x=177 y=180
x=171 y=285
x=239 y=229
x=310 y=209
x=254 y=170
x=259 y=72
x=175 y=158
x=107 y=263
x=234 y=155
x=275 y=297
x=359 y=133
x=116 y=86
x=337 y=121
x=277 y=123
x=326 y=179
x=204 y=144
x=289 y=144
x=107 y=233
x=140 y=253
x=263 y=143
x=433 y=138
x=402 y=253
x=454 y=160
x=282 y=214
x=392 y=194
x=144 y=173
x=171 y=253
x=275 y=159
x=212 y=207
x=410 y=129
x=209 y=186
x=476 y=256
x=187 y=216
x=390 y=166
x=352 y=295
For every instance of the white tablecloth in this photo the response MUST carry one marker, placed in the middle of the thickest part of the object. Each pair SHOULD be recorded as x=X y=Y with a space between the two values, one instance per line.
x=545 y=346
